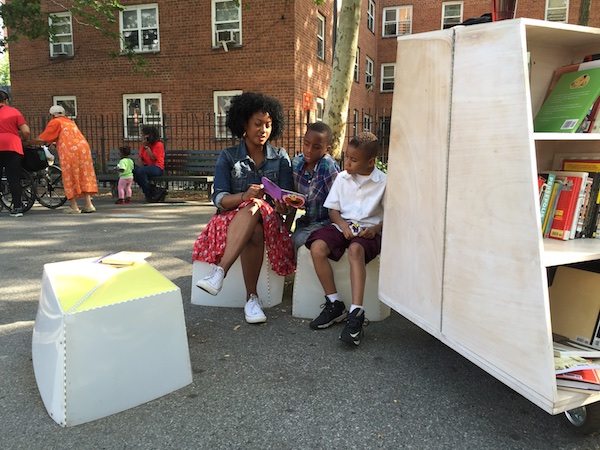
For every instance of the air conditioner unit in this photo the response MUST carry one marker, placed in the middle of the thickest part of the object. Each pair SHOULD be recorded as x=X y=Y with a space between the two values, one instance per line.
x=225 y=36
x=61 y=49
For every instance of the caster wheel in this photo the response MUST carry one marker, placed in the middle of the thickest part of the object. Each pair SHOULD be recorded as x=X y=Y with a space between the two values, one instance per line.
x=584 y=420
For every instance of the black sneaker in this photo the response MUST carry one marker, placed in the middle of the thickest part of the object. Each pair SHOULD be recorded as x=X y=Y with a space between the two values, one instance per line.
x=17 y=212
x=332 y=312
x=353 y=331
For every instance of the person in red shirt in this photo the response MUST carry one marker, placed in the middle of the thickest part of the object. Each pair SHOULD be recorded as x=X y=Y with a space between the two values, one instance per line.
x=150 y=163
x=13 y=130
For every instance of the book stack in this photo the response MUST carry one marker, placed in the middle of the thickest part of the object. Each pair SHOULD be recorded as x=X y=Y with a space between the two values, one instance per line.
x=574 y=372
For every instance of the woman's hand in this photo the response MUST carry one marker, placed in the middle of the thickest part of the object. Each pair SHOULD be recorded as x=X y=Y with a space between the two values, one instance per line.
x=254 y=191
x=282 y=208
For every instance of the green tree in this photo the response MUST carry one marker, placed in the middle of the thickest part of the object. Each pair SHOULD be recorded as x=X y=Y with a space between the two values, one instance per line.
x=4 y=69
x=27 y=19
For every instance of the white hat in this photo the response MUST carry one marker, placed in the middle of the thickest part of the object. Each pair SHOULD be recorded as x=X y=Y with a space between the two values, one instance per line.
x=57 y=110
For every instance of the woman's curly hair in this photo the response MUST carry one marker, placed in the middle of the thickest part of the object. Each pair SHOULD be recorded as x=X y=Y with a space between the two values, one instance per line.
x=243 y=106
x=152 y=132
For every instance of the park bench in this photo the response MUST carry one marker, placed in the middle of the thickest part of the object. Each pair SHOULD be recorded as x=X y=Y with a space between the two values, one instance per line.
x=194 y=168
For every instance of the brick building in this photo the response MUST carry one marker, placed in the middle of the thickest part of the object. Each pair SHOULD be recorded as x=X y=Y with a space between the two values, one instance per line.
x=201 y=52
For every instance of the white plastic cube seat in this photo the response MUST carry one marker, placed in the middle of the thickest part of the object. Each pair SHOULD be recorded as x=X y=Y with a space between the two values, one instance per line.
x=107 y=339
x=308 y=293
x=233 y=295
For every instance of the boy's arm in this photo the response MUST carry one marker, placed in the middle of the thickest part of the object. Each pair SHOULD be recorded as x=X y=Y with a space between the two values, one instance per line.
x=336 y=217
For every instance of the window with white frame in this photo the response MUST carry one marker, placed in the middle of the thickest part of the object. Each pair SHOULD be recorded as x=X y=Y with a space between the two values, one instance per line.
x=369 y=80
x=227 y=22
x=222 y=103
x=141 y=109
x=371 y=16
x=320 y=36
x=139 y=28
x=320 y=109
x=62 y=41
x=397 y=21
x=367 y=122
x=356 y=66
x=69 y=102
x=388 y=74
x=451 y=14
x=557 y=10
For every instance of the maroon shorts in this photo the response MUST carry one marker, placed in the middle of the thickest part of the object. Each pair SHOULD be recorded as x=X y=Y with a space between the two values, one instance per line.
x=338 y=244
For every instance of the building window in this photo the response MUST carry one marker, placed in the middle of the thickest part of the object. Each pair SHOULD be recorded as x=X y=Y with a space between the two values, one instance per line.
x=222 y=103
x=139 y=28
x=62 y=41
x=371 y=16
x=227 y=23
x=369 y=80
x=367 y=122
x=356 y=59
x=388 y=73
x=320 y=109
x=557 y=10
x=321 y=37
x=69 y=102
x=141 y=109
x=397 y=21
x=451 y=14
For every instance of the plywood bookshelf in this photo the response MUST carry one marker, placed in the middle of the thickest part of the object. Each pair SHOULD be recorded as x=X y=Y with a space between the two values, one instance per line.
x=465 y=259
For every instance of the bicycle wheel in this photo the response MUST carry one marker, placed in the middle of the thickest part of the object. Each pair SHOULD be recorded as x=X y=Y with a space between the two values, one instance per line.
x=49 y=189
x=27 y=194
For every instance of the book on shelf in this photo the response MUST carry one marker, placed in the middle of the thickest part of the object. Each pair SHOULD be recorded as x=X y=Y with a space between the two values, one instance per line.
x=584 y=207
x=295 y=199
x=589 y=121
x=566 y=364
x=558 y=72
x=545 y=193
x=569 y=102
x=590 y=220
x=570 y=348
x=556 y=188
x=587 y=379
x=566 y=204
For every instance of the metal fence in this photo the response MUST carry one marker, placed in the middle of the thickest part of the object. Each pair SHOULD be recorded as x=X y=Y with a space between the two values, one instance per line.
x=194 y=131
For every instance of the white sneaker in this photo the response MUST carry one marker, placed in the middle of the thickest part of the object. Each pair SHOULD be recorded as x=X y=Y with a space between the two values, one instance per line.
x=253 y=310
x=213 y=282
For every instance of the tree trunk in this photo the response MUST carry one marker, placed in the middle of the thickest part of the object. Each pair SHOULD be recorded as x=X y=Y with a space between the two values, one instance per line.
x=340 y=84
x=584 y=12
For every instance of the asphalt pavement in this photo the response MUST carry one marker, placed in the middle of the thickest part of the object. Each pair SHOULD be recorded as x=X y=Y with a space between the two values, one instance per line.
x=279 y=385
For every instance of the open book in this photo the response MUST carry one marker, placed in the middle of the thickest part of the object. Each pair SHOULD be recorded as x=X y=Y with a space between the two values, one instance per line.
x=124 y=258
x=295 y=199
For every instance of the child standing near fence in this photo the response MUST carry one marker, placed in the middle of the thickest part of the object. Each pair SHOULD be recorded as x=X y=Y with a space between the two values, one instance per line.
x=125 y=169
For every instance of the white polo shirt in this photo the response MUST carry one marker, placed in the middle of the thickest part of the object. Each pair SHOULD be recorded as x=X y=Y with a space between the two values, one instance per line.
x=356 y=202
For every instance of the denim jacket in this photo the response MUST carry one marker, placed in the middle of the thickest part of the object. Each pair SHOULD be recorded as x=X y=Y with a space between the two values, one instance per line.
x=235 y=171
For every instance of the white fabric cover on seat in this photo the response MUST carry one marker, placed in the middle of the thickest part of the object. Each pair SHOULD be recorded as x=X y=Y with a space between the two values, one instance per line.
x=107 y=339
x=308 y=293
x=233 y=295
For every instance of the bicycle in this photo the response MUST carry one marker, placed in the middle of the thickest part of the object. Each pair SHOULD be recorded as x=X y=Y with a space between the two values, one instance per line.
x=48 y=187
x=27 y=196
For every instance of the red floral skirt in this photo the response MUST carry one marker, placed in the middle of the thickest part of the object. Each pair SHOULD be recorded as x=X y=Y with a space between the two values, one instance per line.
x=210 y=245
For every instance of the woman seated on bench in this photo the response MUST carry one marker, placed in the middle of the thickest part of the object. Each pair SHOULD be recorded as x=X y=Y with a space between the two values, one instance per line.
x=245 y=222
x=150 y=163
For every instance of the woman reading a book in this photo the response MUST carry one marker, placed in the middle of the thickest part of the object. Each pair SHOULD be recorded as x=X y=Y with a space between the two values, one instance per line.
x=245 y=222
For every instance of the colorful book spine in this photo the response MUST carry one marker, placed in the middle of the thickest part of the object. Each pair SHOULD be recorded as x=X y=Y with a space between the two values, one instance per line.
x=546 y=197
x=556 y=188
x=586 y=203
x=566 y=205
x=591 y=216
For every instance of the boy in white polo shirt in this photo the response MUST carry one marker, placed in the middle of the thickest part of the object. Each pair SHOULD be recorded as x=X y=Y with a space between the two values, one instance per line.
x=355 y=205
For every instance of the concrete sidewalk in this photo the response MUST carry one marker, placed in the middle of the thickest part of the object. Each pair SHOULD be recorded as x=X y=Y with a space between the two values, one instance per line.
x=279 y=385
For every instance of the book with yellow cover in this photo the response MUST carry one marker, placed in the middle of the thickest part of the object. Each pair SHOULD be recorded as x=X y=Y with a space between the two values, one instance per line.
x=124 y=258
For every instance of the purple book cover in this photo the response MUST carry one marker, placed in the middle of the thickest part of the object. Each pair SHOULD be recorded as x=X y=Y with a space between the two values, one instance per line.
x=291 y=198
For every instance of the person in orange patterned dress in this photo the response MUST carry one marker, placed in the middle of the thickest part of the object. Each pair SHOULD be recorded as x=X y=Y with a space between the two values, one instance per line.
x=75 y=157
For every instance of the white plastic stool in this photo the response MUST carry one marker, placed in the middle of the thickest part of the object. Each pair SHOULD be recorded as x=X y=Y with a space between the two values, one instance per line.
x=107 y=339
x=308 y=293
x=233 y=295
